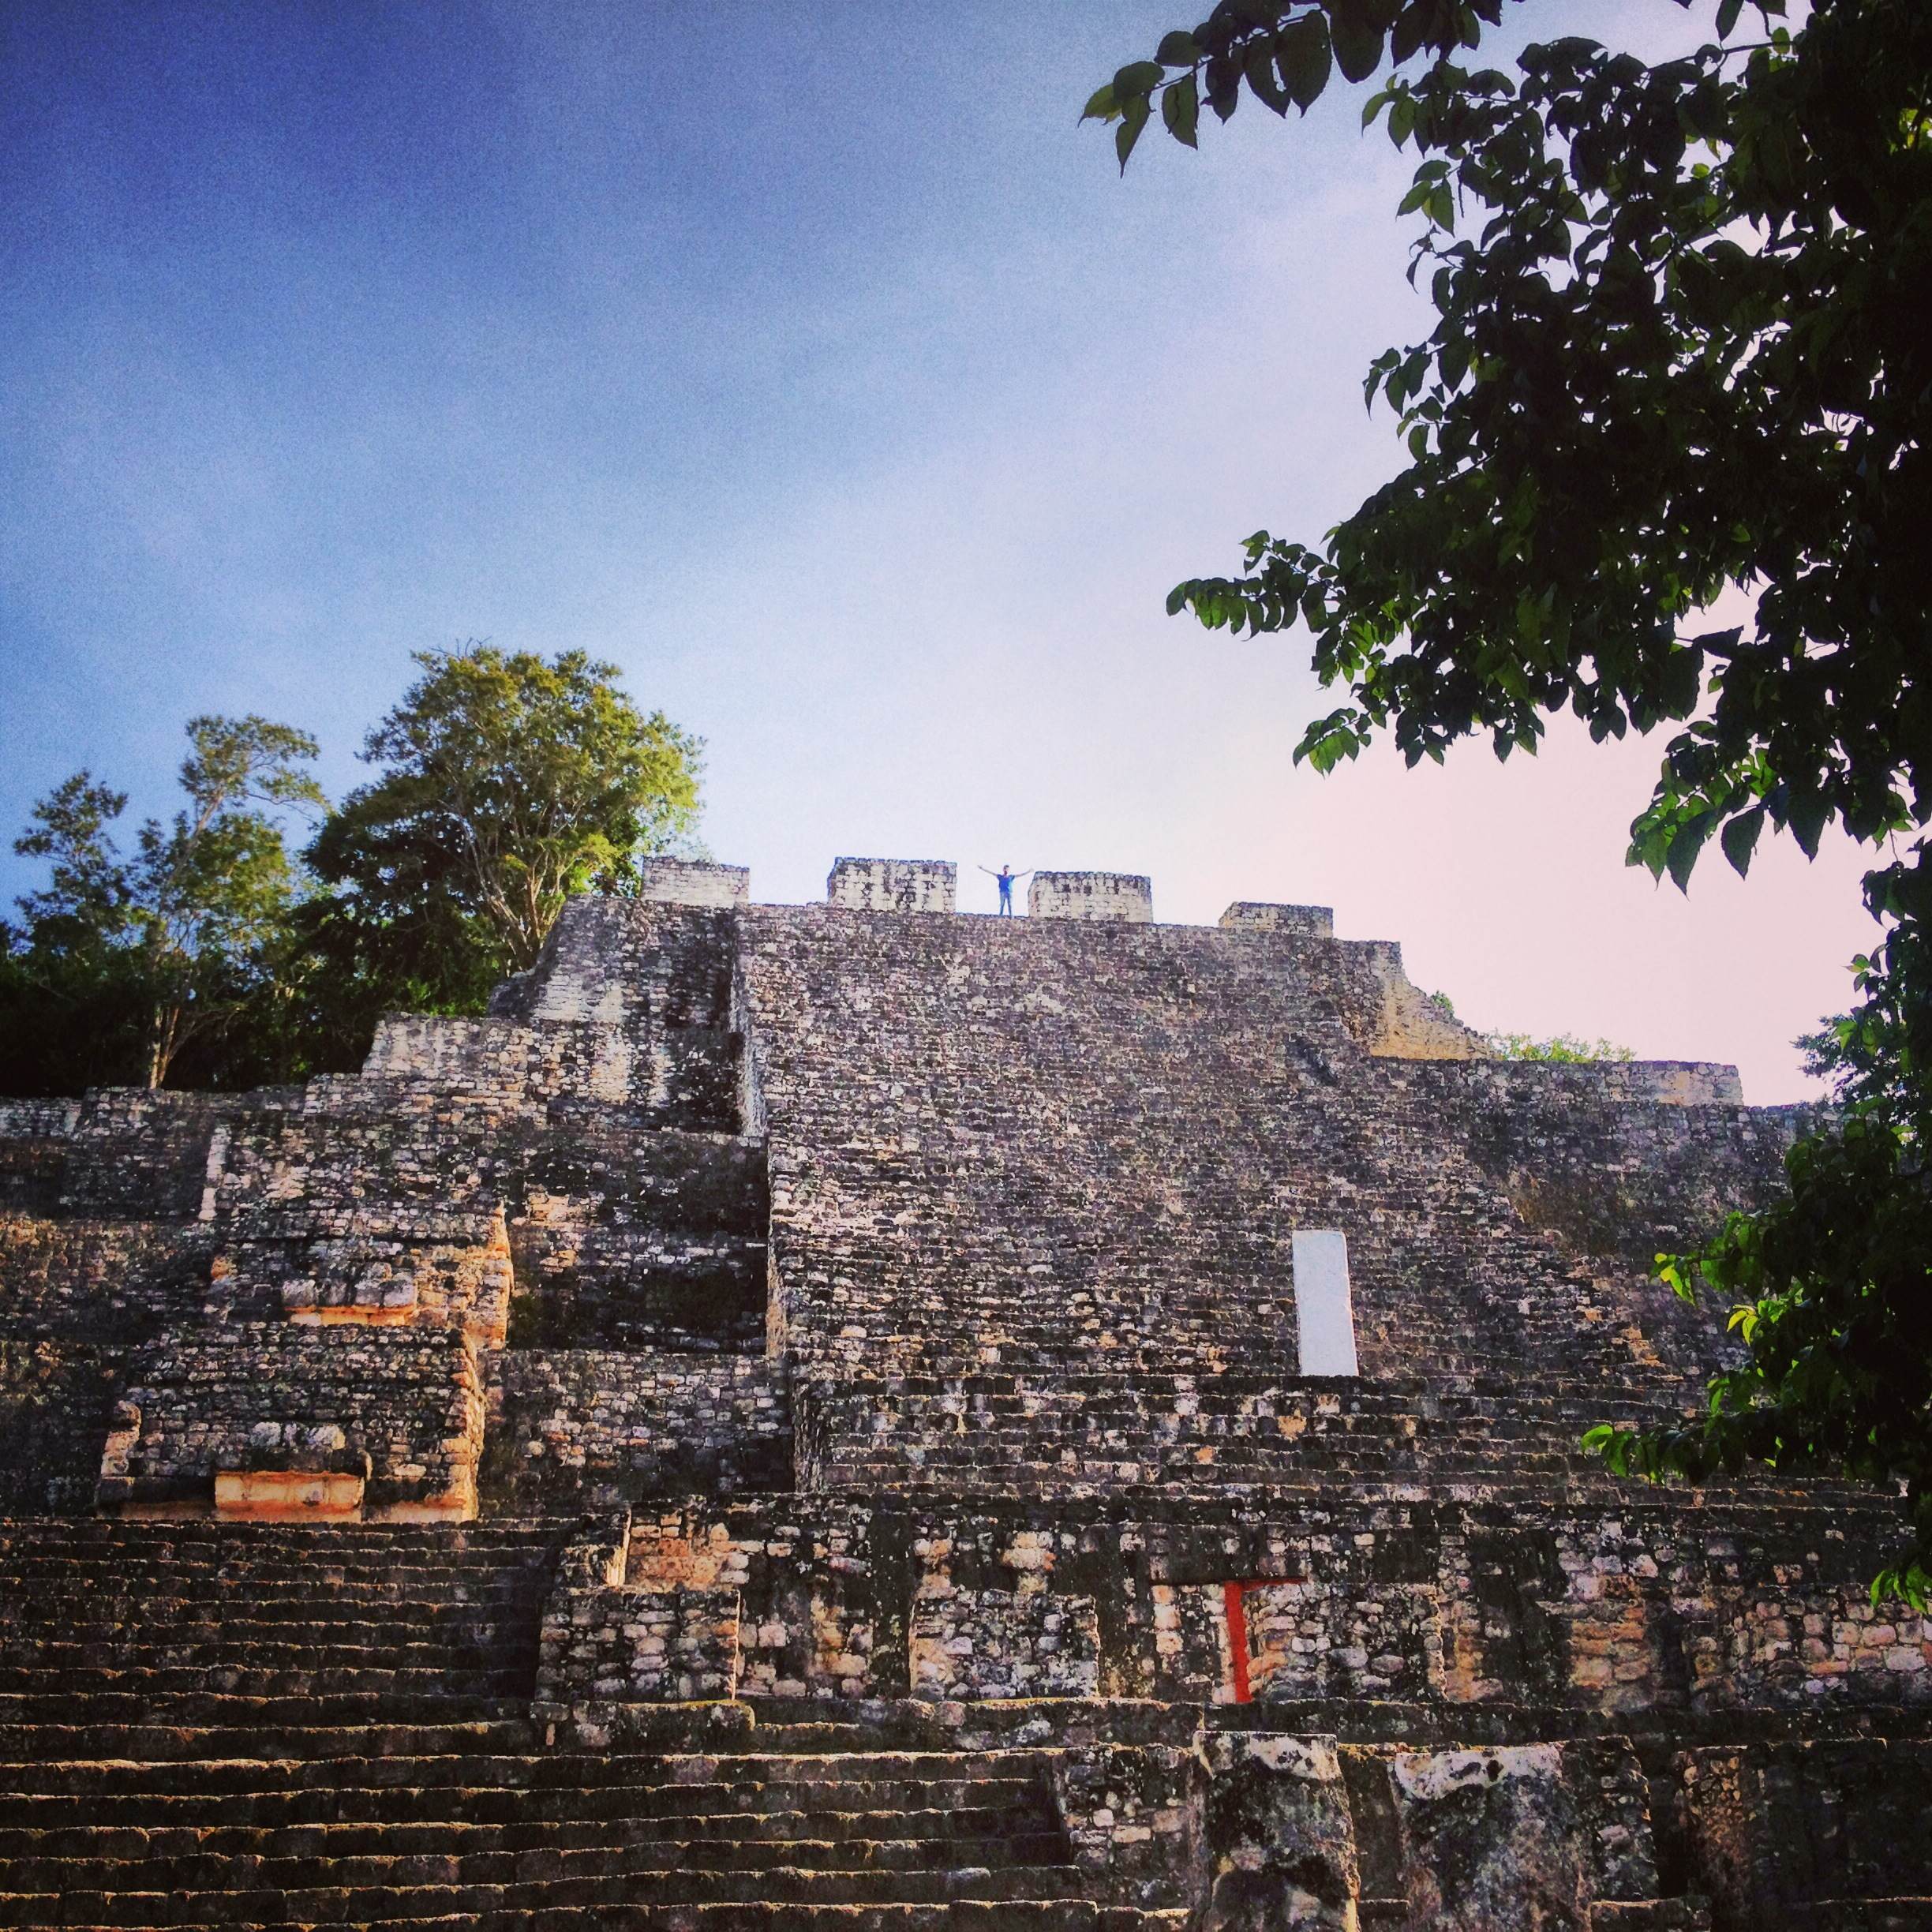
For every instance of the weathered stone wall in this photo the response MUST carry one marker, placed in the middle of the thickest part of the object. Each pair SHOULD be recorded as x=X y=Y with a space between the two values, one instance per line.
x=1254 y=915
x=638 y=1646
x=1623 y=1159
x=580 y=1428
x=118 y=1151
x=1703 y=1607
x=894 y=884
x=1088 y=1150
x=1771 y=1830
x=694 y=882
x=83 y=1278
x=1019 y=1643
x=34 y=1138
x=925 y=1286
x=55 y=1400
x=1122 y=898
x=653 y=1240
x=401 y=1407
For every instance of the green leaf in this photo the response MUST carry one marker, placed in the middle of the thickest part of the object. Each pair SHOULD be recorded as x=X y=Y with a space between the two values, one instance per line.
x=1302 y=53
x=1356 y=38
x=1181 y=110
x=1137 y=77
x=1101 y=104
x=1728 y=17
x=1411 y=31
x=1686 y=843
x=1740 y=839
x=1133 y=118
x=1805 y=817
x=1178 y=49
x=1260 y=68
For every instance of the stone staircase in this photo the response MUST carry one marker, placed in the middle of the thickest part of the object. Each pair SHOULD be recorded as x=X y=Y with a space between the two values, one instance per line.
x=247 y=1724
x=959 y=1426
x=194 y=1623
x=487 y=1838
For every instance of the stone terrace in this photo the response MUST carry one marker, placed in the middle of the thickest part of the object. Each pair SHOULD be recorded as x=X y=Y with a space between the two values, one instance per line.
x=859 y=1415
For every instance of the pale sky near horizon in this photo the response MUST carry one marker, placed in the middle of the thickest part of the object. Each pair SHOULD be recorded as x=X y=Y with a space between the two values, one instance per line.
x=818 y=369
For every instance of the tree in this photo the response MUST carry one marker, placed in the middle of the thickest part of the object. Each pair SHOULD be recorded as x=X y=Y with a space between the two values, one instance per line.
x=175 y=939
x=1680 y=350
x=510 y=784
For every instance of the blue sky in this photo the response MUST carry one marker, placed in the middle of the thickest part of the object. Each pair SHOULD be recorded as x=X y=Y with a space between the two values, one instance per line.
x=813 y=365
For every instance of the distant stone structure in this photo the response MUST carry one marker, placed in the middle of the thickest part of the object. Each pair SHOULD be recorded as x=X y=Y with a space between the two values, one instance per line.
x=694 y=882
x=1123 y=897
x=894 y=885
x=859 y=1415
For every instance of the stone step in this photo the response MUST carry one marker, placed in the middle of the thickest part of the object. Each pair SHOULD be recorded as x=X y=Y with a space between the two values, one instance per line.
x=320 y=1583
x=447 y=1855
x=163 y=1599
x=270 y=1560
x=141 y=1661
x=158 y=1832
x=219 y=1693
x=343 y=1646
x=505 y=1755
x=66 y=1605
x=294 y=1712
x=487 y=1538
x=956 y=1916
x=443 y=1887
x=215 y=1728
x=744 y=1806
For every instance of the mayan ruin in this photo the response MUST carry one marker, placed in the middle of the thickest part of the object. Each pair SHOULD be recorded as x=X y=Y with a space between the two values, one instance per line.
x=861 y=1415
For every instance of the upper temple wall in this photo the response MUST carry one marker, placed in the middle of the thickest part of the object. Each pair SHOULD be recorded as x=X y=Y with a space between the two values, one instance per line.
x=894 y=884
x=1088 y=1136
x=1123 y=897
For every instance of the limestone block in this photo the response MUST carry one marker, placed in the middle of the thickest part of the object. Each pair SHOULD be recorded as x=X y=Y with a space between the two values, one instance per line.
x=894 y=884
x=1279 y=1840
x=1125 y=898
x=1305 y=922
x=280 y=1495
x=1324 y=1312
x=694 y=882
x=1527 y=1836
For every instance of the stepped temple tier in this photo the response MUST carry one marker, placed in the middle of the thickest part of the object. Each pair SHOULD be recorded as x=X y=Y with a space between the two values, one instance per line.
x=860 y=1415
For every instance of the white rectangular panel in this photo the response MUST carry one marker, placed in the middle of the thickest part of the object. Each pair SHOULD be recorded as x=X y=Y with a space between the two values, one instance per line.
x=1325 y=1311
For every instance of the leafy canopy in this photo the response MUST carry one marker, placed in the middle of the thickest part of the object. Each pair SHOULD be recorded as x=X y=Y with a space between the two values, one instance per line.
x=510 y=783
x=209 y=954
x=1680 y=349
x=174 y=938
